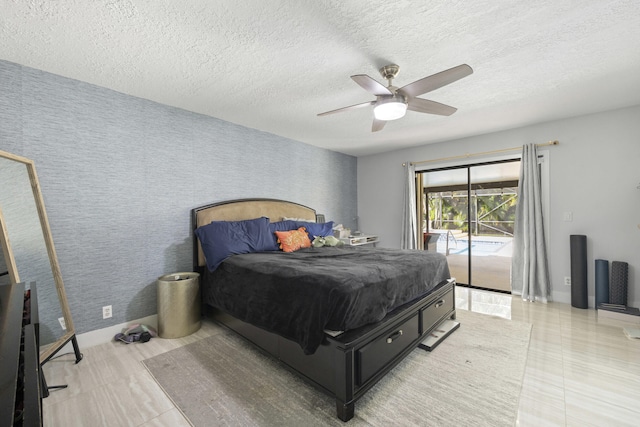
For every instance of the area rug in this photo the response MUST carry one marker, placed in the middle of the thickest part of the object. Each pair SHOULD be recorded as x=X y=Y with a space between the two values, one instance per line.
x=473 y=378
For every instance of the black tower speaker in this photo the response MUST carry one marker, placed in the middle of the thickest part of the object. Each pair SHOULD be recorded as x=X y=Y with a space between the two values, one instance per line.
x=579 y=271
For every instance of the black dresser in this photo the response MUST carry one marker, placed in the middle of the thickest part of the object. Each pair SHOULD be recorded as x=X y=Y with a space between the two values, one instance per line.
x=20 y=380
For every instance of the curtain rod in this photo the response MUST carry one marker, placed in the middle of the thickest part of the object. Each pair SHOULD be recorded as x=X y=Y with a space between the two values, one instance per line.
x=464 y=156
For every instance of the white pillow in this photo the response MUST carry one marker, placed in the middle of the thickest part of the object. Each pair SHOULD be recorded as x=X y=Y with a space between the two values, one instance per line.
x=298 y=219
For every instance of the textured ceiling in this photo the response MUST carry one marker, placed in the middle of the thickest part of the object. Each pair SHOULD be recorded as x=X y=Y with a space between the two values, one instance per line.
x=273 y=65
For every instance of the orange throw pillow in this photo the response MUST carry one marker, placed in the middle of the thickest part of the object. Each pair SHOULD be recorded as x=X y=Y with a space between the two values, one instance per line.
x=293 y=240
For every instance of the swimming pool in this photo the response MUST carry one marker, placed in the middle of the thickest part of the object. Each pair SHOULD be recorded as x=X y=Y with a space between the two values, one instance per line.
x=480 y=246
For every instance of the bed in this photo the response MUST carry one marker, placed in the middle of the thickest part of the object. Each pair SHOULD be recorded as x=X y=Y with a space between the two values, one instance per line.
x=340 y=317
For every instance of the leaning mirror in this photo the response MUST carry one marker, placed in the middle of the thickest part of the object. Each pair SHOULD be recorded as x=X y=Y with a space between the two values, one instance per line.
x=28 y=254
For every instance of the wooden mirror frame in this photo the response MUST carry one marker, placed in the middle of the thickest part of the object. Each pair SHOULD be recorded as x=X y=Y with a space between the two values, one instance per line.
x=14 y=275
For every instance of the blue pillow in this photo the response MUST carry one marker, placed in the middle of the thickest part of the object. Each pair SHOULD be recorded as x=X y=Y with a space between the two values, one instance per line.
x=221 y=239
x=315 y=229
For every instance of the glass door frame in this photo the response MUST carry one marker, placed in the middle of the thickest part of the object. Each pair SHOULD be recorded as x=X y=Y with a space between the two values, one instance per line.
x=420 y=195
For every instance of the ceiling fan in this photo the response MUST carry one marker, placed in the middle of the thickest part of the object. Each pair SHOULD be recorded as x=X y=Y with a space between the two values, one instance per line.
x=391 y=103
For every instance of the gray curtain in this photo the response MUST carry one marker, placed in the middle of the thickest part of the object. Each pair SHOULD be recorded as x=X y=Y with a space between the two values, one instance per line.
x=529 y=266
x=409 y=219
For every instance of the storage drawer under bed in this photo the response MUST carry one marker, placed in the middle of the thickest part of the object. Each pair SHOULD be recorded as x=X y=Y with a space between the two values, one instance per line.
x=375 y=355
x=440 y=307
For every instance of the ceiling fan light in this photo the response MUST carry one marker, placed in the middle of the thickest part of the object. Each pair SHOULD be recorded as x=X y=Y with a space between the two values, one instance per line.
x=392 y=109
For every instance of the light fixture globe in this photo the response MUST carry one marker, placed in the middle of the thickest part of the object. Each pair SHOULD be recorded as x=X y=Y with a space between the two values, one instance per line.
x=390 y=108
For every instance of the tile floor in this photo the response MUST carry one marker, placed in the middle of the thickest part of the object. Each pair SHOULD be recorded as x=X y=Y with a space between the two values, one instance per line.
x=581 y=371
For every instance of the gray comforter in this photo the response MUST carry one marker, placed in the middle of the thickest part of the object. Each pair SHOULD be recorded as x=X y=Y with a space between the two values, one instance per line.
x=298 y=295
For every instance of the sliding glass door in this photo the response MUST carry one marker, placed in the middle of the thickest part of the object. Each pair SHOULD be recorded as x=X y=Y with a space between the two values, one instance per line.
x=468 y=214
x=445 y=217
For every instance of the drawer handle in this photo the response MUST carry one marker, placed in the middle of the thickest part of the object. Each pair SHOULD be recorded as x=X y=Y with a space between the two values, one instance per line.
x=393 y=337
x=439 y=304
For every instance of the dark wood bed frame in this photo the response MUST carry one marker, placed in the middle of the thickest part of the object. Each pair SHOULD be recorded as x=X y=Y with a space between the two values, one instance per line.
x=348 y=365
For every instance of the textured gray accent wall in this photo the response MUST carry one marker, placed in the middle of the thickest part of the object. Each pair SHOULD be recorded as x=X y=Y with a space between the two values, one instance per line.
x=120 y=174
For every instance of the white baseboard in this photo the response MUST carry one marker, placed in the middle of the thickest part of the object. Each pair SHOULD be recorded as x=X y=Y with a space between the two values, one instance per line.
x=101 y=336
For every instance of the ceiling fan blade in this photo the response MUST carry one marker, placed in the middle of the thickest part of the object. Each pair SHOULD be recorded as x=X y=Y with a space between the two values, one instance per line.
x=377 y=125
x=371 y=85
x=351 y=107
x=436 y=81
x=430 y=107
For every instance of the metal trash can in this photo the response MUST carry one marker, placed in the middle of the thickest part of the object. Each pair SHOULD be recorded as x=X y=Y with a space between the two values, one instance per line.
x=178 y=304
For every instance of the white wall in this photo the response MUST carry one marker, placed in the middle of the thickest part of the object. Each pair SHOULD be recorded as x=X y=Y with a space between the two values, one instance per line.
x=594 y=173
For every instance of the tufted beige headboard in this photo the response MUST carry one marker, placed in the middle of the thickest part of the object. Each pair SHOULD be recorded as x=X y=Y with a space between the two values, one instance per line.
x=236 y=210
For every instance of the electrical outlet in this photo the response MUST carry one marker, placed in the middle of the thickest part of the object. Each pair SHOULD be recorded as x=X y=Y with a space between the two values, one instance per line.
x=567 y=281
x=106 y=312
x=64 y=325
